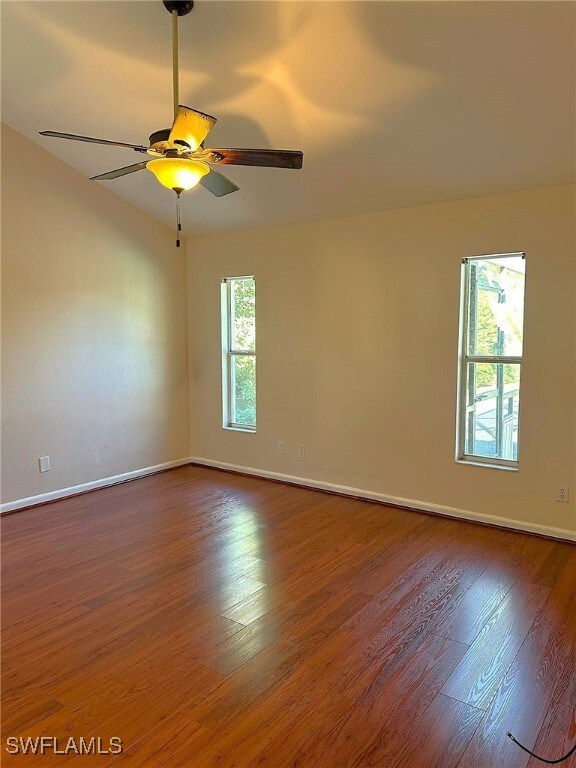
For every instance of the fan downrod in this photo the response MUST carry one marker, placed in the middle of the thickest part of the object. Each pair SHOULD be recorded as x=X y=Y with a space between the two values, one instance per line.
x=182 y=7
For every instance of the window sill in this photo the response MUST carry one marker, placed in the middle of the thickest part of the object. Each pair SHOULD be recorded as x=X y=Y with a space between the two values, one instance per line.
x=488 y=465
x=249 y=430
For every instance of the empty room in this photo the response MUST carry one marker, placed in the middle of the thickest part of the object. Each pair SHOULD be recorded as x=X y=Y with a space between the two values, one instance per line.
x=288 y=398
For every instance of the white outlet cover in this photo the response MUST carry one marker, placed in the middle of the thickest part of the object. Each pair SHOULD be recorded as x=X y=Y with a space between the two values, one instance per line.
x=44 y=463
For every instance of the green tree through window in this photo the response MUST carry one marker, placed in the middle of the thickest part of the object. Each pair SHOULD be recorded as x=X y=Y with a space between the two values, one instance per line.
x=239 y=317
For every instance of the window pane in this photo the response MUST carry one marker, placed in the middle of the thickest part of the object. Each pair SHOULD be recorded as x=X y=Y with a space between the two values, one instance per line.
x=242 y=308
x=243 y=390
x=492 y=397
x=496 y=306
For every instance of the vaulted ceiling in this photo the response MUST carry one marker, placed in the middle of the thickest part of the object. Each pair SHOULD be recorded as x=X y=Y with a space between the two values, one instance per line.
x=393 y=103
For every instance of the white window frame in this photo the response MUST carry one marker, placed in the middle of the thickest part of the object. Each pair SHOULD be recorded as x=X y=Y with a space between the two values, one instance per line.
x=464 y=359
x=228 y=354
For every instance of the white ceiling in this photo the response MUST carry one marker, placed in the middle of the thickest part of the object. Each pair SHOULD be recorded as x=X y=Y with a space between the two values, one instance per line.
x=393 y=103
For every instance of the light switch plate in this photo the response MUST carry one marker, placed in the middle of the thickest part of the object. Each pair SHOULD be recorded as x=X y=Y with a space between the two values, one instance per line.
x=44 y=463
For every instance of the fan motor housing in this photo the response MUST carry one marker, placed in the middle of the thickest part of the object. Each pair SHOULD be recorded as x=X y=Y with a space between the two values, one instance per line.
x=159 y=142
x=157 y=136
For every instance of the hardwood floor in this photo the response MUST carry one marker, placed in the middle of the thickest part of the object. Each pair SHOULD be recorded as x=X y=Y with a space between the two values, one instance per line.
x=210 y=619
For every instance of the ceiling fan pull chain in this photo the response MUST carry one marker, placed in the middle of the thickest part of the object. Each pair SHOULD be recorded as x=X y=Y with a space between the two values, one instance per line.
x=175 y=61
x=178 y=224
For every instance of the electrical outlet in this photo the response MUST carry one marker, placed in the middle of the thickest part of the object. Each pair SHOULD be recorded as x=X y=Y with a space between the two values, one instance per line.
x=44 y=463
x=301 y=451
x=562 y=493
x=281 y=446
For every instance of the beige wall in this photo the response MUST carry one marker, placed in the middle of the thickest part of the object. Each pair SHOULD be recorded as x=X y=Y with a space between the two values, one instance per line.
x=94 y=343
x=357 y=328
x=94 y=353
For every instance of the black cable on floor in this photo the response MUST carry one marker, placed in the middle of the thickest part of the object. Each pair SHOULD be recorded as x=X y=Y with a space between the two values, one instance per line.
x=543 y=759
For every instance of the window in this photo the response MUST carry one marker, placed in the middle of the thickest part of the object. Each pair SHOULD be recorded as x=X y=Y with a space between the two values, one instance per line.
x=491 y=335
x=239 y=353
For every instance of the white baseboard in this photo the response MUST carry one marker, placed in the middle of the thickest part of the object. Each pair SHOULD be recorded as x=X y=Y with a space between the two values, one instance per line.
x=423 y=506
x=42 y=498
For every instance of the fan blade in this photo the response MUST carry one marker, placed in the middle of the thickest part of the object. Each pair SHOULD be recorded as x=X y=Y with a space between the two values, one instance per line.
x=136 y=147
x=218 y=184
x=190 y=127
x=270 y=158
x=120 y=171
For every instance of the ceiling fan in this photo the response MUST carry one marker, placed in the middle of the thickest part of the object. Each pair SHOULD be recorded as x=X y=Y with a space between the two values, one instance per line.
x=179 y=159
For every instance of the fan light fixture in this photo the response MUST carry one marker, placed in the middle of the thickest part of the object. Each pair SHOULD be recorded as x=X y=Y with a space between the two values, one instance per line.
x=177 y=173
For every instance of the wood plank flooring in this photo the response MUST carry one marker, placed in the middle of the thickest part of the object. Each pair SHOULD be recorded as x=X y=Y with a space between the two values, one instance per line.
x=209 y=619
